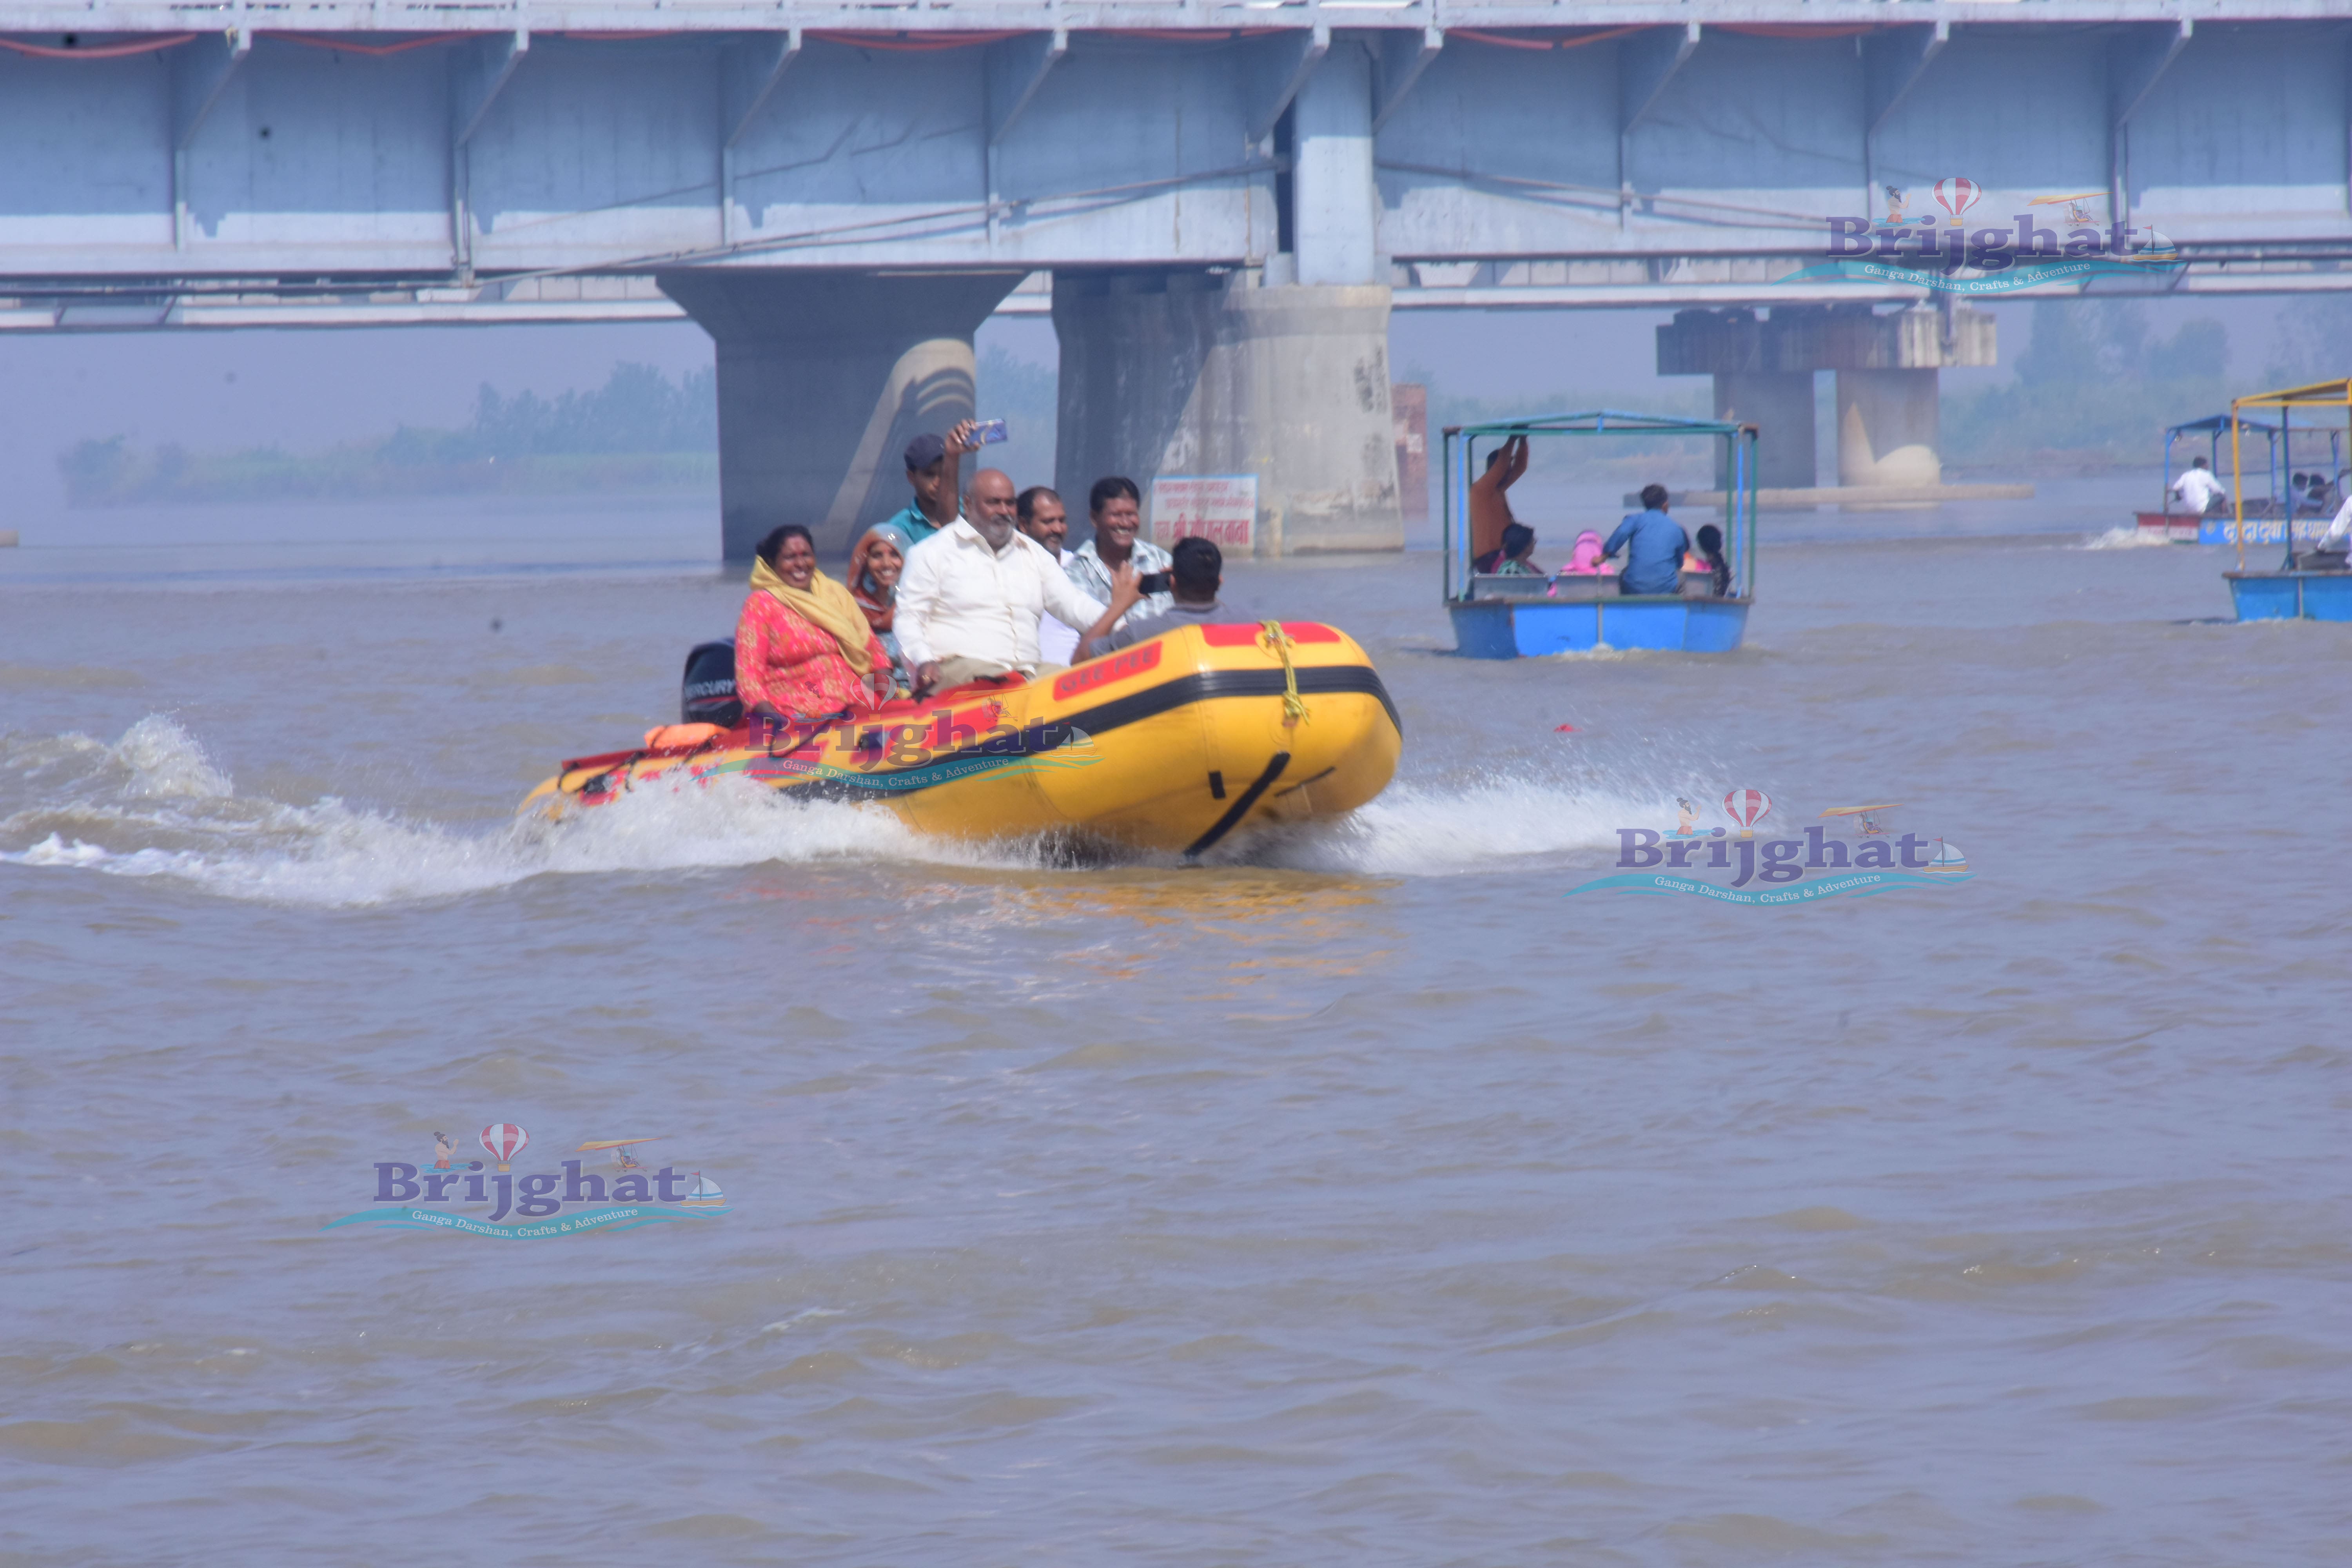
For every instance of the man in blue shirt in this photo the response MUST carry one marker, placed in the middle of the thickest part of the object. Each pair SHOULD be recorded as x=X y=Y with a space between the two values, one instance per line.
x=932 y=464
x=1655 y=562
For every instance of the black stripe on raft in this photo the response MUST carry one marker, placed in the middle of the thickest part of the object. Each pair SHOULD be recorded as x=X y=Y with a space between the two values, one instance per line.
x=1149 y=703
x=1240 y=809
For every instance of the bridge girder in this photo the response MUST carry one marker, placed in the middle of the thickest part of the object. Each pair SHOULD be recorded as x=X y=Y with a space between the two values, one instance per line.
x=407 y=147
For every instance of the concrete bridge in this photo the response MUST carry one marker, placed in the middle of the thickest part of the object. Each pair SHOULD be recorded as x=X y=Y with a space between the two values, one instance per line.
x=1220 y=204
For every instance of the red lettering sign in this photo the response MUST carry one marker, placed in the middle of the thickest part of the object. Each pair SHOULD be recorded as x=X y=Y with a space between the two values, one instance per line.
x=1104 y=672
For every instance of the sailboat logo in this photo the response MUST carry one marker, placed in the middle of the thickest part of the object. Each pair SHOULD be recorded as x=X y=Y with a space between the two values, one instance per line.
x=705 y=1195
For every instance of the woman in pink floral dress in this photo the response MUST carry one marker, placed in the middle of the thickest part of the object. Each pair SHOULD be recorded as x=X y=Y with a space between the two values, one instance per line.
x=803 y=648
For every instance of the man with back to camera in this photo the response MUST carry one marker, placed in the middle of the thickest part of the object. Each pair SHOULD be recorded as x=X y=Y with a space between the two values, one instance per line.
x=1197 y=569
x=2199 y=490
x=1116 y=509
x=969 y=599
x=1039 y=513
x=932 y=462
x=1653 y=544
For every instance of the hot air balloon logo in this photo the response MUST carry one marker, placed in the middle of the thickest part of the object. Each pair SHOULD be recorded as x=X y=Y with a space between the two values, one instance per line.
x=1956 y=195
x=504 y=1139
x=1747 y=807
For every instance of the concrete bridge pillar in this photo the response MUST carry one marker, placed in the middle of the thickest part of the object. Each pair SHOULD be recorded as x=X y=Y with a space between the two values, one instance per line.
x=1335 y=203
x=1780 y=404
x=1178 y=371
x=1888 y=425
x=1760 y=379
x=824 y=377
x=1886 y=382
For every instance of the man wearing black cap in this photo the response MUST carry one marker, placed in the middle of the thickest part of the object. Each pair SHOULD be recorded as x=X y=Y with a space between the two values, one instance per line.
x=931 y=467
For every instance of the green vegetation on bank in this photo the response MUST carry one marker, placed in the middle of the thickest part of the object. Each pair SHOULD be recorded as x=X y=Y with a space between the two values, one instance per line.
x=2094 y=389
x=639 y=431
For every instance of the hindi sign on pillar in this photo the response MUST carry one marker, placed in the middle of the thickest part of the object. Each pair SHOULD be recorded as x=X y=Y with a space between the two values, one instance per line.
x=1219 y=507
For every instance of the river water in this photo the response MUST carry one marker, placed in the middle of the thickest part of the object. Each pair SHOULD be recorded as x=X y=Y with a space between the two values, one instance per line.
x=1368 y=1199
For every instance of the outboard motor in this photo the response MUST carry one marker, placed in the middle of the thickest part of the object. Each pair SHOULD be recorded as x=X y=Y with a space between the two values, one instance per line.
x=708 y=697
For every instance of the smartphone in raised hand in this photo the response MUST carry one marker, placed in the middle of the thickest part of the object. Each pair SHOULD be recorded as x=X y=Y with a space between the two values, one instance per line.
x=988 y=432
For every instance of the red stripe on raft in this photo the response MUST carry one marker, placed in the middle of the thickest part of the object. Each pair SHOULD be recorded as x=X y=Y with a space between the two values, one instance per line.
x=1242 y=636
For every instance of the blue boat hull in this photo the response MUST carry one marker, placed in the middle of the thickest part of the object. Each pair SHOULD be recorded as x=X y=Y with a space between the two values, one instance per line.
x=2262 y=531
x=2292 y=595
x=1529 y=628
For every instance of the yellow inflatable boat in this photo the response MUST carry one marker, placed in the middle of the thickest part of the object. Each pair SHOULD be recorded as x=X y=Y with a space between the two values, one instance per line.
x=1171 y=744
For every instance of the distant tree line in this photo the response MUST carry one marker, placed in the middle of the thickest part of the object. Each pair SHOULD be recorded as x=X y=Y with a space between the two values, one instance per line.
x=2094 y=388
x=639 y=430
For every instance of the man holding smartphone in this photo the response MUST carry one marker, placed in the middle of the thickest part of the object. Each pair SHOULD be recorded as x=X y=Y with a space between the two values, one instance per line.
x=1118 y=512
x=933 y=466
x=1197 y=574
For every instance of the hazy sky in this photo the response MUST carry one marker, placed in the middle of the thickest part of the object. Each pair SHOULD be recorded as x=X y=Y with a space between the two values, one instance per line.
x=305 y=389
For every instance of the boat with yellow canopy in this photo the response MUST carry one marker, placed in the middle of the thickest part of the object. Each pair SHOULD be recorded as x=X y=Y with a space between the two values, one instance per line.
x=1173 y=744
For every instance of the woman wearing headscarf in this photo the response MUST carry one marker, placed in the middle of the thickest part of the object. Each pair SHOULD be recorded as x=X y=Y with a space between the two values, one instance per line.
x=803 y=647
x=874 y=563
x=1585 y=559
x=1711 y=550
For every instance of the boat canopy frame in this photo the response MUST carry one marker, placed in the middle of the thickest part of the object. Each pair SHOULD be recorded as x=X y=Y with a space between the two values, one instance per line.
x=2285 y=401
x=1738 y=468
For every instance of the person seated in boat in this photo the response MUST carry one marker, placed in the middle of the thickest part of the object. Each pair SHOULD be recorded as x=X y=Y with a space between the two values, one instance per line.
x=1196 y=573
x=803 y=647
x=1716 y=565
x=2199 y=490
x=1585 y=558
x=1490 y=508
x=1512 y=557
x=1114 y=507
x=932 y=464
x=1038 y=512
x=971 y=597
x=875 y=565
x=1653 y=543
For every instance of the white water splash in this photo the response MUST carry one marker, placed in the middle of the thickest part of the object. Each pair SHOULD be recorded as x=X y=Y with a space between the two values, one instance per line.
x=153 y=805
x=2131 y=538
x=1423 y=831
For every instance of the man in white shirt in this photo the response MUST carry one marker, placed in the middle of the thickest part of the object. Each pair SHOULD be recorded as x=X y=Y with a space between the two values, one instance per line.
x=2198 y=488
x=971 y=597
x=1039 y=513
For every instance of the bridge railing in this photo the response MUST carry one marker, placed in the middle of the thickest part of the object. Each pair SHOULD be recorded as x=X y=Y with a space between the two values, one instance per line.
x=883 y=17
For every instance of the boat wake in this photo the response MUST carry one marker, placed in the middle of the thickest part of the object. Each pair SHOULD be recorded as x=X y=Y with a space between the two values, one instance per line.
x=1420 y=830
x=2134 y=537
x=153 y=805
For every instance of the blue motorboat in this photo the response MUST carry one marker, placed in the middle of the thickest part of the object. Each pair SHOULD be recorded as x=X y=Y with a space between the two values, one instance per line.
x=2307 y=585
x=1497 y=615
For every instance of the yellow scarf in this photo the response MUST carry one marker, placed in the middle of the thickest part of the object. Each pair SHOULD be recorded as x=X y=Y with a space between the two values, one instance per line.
x=827 y=605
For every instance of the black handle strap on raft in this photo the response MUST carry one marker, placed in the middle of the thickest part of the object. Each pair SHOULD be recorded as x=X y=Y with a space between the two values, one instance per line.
x=1240 y=809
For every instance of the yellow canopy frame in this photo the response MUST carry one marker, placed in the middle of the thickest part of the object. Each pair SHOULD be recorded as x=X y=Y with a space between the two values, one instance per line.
x=2318 y=394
